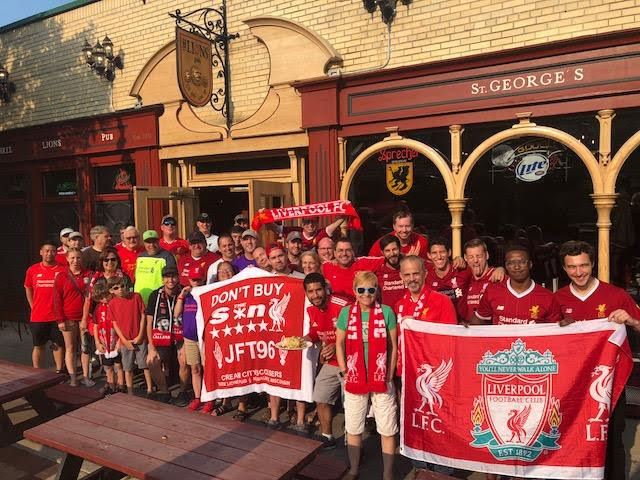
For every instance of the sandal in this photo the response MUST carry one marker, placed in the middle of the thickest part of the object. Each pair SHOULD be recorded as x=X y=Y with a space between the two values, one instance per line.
x=240 y=415
x=220 y=410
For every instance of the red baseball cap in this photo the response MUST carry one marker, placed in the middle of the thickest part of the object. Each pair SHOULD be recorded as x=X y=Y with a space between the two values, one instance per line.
x=274 y=246
x=196 y=273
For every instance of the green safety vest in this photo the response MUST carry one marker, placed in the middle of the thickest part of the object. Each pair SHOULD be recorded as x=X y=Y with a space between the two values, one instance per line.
x=148 y=276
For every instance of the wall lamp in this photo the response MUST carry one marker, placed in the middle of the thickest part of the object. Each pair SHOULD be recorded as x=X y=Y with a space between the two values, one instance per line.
x=100 y=58
x=7 y=88
x=387 y=8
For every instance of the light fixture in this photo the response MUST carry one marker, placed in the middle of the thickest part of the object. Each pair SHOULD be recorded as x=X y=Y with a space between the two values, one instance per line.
x=387 y=8
x=6 y=87
x=100 y=58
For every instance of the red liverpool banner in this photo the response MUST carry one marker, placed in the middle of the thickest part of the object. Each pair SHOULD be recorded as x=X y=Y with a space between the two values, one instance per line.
x=523 y=401
x=325 y=209
x=240 y=320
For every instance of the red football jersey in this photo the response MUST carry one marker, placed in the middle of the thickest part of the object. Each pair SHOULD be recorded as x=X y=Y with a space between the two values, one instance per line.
x=341 y=279
x=599 y=302
x=415 y=239
x=178 y=246
x=323 y=323
x=128 y=260
x=310 y=243
x=437 y=308
x=454 y=284
x=504 y=306
x=40 y=279
x=391 y=286
x=186 y=261
x=469 y=303
x=61 y=257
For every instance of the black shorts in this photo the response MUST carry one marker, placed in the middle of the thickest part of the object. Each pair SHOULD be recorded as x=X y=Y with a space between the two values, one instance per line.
x=109 y=362
x=42 y=332
x=169 y=355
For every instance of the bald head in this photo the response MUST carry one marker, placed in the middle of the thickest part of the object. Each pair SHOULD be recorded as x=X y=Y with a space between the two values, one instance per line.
x=325 y=249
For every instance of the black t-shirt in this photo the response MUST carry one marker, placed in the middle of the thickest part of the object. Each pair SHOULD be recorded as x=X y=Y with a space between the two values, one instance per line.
x=165 y=328
x=90 y=259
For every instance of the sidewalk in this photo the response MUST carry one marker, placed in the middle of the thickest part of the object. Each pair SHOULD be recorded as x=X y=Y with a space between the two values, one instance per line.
x=27 y=460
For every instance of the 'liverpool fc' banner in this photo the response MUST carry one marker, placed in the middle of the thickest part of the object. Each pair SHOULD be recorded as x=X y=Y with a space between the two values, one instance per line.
x=522 y=401
x=240 y=320
x=324 y=209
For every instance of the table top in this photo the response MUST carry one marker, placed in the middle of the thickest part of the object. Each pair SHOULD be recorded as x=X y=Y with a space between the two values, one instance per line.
x=19 y=380
x=154 y=441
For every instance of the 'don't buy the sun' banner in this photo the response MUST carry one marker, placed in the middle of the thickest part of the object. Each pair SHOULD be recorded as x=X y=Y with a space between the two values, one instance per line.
x=524 y=401
x=240 y=320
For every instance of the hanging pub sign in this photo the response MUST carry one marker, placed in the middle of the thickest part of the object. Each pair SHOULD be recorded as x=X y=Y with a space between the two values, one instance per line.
x=530 y=160
x=399 y=168
x=195 y=75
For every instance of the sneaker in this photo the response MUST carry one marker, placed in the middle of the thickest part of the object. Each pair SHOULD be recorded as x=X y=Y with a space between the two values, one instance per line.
x=87 y=382
x=121 y=389
x=151 y=395
x=299 y=428
x=327 y=443
x=273 y=424
x=182 y=400
x=207 y=408
x=163 y=397
x=194 y=405
x=107 y=391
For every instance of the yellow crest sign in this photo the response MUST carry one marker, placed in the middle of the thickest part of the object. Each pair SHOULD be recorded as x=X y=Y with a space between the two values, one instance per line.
x=399 y=177
x=195 y=74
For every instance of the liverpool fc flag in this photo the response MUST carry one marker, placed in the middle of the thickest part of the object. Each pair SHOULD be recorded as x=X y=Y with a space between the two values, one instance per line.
x=524 y=400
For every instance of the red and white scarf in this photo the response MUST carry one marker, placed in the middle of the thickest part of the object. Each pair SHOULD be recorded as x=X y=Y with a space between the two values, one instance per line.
x=358 y=380
x=324 y=209
x=418 y=313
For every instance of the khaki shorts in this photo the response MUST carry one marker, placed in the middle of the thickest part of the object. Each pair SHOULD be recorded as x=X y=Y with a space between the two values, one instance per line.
x=385 y=411
x=327 y=386
x=191 y=352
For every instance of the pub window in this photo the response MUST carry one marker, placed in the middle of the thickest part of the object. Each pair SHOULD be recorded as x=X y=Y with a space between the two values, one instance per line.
x=13 y=186
x=114 y=215
x=58 y=216
x=61 y=183
x=242 y=164
x=114 y=179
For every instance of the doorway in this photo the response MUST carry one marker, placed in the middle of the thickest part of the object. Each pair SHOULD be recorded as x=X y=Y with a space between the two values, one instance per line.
x=223 y=203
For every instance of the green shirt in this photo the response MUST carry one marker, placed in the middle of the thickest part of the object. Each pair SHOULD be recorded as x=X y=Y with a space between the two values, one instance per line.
x=148 y=276
x=389 y=321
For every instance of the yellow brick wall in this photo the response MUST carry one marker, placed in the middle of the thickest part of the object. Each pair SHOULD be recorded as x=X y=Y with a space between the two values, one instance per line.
x=53 y=83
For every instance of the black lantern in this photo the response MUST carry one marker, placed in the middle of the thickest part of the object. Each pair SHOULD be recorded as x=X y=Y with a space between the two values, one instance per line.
x=6 y=87
x=100 y=58
x=387 y=8
x=370 y=5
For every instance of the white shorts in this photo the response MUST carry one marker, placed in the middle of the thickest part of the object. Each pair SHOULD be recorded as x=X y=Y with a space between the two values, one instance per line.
x=385 y=411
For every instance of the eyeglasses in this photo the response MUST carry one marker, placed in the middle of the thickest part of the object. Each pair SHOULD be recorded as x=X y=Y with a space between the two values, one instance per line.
x=110 y=259
x=117 y=287
x=132 y=238
x=369 y=290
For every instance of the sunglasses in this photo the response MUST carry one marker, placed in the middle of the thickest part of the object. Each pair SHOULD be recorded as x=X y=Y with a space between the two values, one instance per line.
x=369 y=290
x=110 y=259
x=117 y=287
x=169 y=223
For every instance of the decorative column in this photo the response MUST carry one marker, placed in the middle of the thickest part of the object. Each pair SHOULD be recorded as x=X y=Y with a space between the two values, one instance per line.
x=605 y=119
x=456 y=205
x=603 y=202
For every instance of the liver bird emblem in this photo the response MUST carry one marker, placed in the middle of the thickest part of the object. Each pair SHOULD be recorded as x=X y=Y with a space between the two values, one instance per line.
x=429 y=383
x=516 y=422
x=276 y=312
x=600 y=390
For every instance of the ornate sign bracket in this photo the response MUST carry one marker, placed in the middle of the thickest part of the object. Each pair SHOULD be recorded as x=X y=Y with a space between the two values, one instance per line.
x=211 y=23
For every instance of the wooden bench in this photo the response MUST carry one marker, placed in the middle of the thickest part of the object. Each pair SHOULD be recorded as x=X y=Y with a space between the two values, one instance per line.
x=72 y=397
x=323 y=467
x=427 y=475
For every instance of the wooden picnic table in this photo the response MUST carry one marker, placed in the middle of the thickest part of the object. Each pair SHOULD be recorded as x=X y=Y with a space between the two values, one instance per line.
x=17 y=381
x=154 y=441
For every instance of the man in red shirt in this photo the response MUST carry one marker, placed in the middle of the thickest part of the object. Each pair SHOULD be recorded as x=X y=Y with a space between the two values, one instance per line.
x=325 y=249
x=341 y=273
x=170 y=240
x=38 y=287
x=411 y=243
x=391 y=286
x=519 y=300
x=323 y=315
x=128 y=251
x=198 y=255
x=442 y=276
x=587 y=298
x=477 y=257
x=311 y=235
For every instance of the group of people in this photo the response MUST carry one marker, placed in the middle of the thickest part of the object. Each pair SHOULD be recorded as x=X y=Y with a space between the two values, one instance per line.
x=134 y=300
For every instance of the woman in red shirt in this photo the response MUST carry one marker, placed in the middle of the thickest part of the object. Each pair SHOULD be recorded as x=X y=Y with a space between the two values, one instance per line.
x=69 y=291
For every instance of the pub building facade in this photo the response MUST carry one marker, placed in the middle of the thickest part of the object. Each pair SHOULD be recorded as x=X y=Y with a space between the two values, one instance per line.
x=536 y=145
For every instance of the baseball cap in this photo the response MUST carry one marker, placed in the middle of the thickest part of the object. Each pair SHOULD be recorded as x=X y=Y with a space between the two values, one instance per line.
x=196 y=273
x=169 y=271
x=169 y=220
x=75 y=235
x=240 y=217
x=249 y=233
x=295 y=235
x=272 y=247
x=197 y=237
x=65 y=231
x=204 y=217
x=149 y=235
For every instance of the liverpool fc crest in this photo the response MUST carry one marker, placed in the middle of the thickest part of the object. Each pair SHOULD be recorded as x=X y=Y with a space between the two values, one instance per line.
x=399 y=177
x=516 y=416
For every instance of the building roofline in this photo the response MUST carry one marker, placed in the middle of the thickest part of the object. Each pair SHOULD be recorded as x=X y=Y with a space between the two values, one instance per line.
x=46 y=14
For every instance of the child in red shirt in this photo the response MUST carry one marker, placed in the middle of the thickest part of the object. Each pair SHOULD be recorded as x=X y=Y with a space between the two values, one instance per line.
x=125 y=311
x=107 y=341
